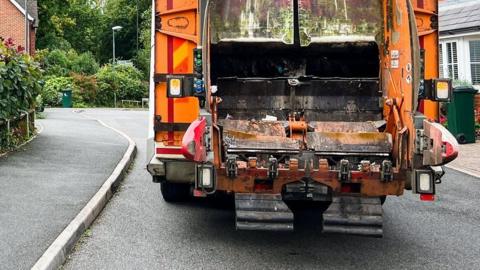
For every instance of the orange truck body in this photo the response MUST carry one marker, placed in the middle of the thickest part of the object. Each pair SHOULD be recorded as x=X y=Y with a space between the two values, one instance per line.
x=190 y=131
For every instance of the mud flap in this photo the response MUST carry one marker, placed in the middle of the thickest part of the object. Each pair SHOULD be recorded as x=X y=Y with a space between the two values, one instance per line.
x=354 y=215
x=262 y=212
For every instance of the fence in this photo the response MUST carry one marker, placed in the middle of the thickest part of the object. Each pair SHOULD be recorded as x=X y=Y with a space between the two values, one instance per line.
x=135 y=103
x=16 y=130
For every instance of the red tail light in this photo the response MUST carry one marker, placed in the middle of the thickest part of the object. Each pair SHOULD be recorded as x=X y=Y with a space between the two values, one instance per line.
x=427 y=197
x=193 y=147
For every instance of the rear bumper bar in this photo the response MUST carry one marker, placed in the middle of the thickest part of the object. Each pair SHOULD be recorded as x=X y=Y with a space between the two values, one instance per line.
x=172 y=170
x=370 y=183
x=156 y=167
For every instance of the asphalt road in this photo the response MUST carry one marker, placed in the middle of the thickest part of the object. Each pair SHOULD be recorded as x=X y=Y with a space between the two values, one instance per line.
x=138 y=230
x=44 y=185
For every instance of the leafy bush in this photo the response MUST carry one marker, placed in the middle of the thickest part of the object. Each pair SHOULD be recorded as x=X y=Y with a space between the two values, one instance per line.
x=142 y=61
x=84 y=64
x=63 y=63
x=56 y=63
x=125 y=81
x=85 y=90
x=51 y=93
x=20 y=80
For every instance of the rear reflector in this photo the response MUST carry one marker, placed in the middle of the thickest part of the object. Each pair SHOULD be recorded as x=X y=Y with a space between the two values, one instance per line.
x=199 y=194
x=169 y=151
x=351 y=188
x=346 y=189
x=427 y=197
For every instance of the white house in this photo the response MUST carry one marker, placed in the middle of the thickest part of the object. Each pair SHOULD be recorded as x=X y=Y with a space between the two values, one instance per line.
x=459 y=23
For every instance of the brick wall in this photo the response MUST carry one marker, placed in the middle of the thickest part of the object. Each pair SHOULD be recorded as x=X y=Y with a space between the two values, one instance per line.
x=12 y=25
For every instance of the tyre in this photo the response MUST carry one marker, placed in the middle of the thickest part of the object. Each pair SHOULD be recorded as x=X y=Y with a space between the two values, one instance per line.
x=172 y=192
x=461 y=138
x=383 y=199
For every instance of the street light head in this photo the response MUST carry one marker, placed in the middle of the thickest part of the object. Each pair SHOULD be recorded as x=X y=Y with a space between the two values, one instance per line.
x=115 y=28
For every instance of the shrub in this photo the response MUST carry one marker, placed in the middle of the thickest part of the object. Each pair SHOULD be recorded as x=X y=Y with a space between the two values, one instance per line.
x=142 y=61
x=84 y=64
x=63 y=63
x=125 y=81
x=85 y=89
x=20 y=80
x=56 y=63
x=51 y=93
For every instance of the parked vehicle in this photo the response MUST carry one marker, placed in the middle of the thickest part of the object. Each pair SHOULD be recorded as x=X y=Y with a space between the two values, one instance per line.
x=278 y=101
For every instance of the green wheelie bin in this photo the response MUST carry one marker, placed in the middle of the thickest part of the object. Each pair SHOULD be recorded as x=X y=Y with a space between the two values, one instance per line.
x=67 y=98
x=461 y=116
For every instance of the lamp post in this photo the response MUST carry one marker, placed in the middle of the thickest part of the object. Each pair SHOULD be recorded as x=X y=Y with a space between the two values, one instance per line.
x=115 y=28
x=114 y=62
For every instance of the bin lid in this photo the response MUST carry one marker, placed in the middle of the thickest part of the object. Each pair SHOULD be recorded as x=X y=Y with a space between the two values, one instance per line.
x=465 y=89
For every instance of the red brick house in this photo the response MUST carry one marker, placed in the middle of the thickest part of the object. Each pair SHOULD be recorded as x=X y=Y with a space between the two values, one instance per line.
x=12 y=21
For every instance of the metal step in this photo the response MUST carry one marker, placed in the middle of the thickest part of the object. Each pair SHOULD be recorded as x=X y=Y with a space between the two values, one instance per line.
x=354 y=215
x=262 y=212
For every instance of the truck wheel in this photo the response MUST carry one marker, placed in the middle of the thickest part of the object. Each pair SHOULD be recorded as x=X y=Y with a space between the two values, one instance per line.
x=172 y=192
x=383 y=199
x=461 y=138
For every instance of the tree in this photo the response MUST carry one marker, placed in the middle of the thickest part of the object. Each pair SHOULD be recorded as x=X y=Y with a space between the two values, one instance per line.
x=86 y=25
x=123 y=13
x=53 y=19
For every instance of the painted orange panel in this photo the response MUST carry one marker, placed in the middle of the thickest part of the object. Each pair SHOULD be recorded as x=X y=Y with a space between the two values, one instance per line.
x=174 y=55
x=163 y=5
x=160 y=53
x=182 y=22
x=426 y=12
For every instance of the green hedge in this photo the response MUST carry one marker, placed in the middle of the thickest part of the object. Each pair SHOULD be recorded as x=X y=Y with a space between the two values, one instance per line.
x=91 y=85
x=125 y=81
x=62 y=63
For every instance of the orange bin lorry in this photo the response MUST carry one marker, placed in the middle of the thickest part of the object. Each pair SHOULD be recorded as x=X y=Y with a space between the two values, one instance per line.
x=314 y=101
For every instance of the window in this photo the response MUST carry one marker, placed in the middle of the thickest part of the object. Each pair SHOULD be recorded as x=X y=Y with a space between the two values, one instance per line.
x=475 y=60
x=339 y=21
x=452 y=60
x=252 y=20
x=440 y=55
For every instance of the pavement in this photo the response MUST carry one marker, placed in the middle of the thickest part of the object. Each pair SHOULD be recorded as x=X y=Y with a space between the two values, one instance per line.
x=139 y=230
x=468 y=160
x=46 y=183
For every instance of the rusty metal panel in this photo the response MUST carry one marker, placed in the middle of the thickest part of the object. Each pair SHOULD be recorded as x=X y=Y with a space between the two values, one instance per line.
x=342 y=142
x=261 y=136
x=344 y=126
x=253 y=127
x=260 y=144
